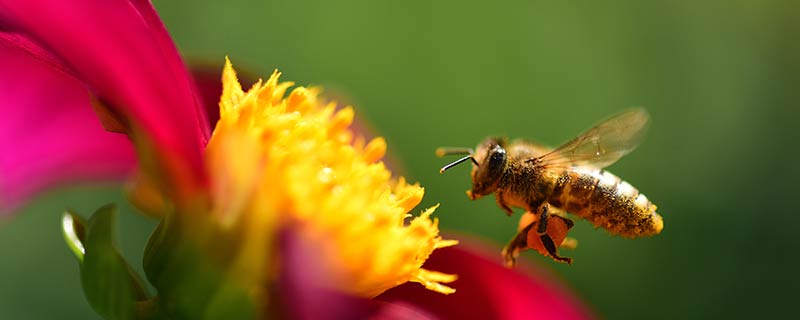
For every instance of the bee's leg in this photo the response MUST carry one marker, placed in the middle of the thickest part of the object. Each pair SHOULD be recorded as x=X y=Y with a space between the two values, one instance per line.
x=517 y=244
x=544 y=218
x=541 y=230
x=498 y=195
x=551 y=249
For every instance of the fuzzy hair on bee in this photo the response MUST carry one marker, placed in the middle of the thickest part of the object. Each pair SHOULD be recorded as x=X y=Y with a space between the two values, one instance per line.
x=549 y=183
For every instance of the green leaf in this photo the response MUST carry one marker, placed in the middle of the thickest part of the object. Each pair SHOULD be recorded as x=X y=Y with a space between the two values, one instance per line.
x=110 y=285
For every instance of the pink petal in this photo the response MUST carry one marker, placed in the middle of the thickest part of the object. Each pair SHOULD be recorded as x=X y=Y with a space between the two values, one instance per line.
x=487 y=290
x=209 y=87
x=121 y=50
x=49 y=134
x=208 y=81
x=302 y=292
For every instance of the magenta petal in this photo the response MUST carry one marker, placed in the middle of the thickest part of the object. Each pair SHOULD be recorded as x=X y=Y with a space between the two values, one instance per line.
x=49 y=134
x=302 y=292
x=487 y=290
x=121 y=50
x=209 y=87
x=208 y=81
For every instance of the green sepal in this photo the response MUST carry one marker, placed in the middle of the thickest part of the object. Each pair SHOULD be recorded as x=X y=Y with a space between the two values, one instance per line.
x=161 y=247
x=189 y=264
x=112 y=288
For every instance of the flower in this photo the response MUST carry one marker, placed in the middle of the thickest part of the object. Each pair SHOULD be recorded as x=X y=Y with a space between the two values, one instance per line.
x=270 y=155
x=117 y=52
x=49 y=134
x=490 y=290
x=282 y=199
x=485 y=290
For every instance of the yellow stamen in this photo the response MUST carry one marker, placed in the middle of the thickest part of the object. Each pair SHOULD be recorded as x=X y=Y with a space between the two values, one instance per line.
x=278 y=160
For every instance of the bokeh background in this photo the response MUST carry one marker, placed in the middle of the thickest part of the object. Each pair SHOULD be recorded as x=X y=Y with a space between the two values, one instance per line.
x=720 y=79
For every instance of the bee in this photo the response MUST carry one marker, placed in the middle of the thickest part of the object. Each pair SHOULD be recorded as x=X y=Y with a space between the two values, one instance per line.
x=547 y=183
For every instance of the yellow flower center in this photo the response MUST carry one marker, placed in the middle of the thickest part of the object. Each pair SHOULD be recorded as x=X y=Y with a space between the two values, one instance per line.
x=278 y=160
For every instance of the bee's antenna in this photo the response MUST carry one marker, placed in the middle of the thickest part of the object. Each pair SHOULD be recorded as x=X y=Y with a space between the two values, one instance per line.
x=454 y=163
x=445 y=151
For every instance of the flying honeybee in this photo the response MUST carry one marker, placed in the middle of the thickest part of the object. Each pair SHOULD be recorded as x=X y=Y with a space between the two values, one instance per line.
x=546 y=183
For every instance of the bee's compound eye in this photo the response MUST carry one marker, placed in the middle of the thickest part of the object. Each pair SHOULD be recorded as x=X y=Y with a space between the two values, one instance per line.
x=497 y=158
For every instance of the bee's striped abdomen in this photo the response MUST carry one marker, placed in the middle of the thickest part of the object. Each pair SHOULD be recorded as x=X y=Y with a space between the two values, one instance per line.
x=606 y=201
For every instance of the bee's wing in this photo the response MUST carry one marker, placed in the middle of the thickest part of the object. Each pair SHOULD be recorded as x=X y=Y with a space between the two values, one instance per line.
x=601 y=145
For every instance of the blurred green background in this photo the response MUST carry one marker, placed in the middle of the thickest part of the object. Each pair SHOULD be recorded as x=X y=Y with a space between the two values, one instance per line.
x=720 y=80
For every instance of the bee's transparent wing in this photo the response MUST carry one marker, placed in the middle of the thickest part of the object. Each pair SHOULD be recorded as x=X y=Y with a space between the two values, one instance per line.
x=601 y=145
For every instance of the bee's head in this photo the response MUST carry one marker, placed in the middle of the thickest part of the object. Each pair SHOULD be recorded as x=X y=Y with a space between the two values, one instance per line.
x=489 y=164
